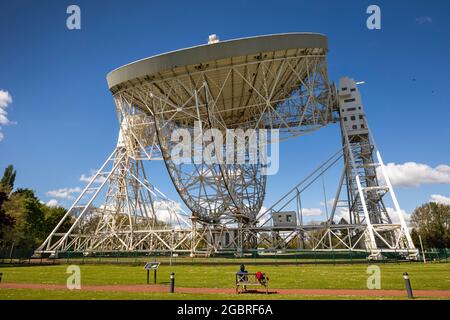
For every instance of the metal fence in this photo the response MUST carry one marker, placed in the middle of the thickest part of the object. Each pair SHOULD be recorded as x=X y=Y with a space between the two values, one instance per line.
x=24 y=256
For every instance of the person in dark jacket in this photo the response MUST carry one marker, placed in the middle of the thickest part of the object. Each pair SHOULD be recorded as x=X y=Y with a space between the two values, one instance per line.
x=242 y=275
x=242 y=270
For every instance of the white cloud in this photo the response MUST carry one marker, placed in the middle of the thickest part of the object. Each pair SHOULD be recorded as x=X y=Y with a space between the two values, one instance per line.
x=344 y=213
x=88 y=178
x=167 y=211
x=309 y=212
x=5 y=100
x=424 y=19
x=330 y=203
x=438 y=198
x=394 y=216
x=412 y=174
x=263 y=215
x=64 y=193
x=52 y=203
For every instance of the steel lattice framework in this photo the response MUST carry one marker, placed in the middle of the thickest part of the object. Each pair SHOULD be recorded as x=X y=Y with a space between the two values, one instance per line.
x=271 y=82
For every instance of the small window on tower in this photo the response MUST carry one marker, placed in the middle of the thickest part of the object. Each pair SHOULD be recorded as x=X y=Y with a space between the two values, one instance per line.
x=352 y=118
x=345 y=118
x=362 y=126
x=353 y=89
x=361 y=116
x=354 y=127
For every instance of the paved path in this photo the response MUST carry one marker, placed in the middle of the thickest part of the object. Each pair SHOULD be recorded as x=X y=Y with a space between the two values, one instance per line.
x=163 y=288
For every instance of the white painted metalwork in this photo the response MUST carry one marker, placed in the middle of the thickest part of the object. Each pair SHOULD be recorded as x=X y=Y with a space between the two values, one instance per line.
x=273 y=82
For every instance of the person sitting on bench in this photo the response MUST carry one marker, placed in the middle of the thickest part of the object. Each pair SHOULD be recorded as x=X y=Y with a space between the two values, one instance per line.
x=242 y=272
x=242 y=275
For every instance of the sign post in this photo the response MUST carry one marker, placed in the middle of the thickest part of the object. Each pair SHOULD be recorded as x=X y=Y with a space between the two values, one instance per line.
x=151 y=266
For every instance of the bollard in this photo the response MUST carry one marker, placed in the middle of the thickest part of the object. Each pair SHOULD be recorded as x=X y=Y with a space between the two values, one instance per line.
x=148 y=276
x=408 y=285
x=154 y=276
x=172 y=282
x=1 y=275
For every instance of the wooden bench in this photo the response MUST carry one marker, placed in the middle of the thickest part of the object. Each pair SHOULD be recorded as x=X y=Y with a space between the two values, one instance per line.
x=244 y=280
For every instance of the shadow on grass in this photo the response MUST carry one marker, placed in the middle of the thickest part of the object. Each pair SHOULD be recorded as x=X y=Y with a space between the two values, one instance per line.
x=257 y=292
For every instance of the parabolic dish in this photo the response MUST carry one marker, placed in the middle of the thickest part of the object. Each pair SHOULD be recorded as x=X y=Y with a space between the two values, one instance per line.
x=172 y=74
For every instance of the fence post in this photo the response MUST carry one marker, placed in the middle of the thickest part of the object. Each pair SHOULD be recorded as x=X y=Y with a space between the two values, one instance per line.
x=11 y=252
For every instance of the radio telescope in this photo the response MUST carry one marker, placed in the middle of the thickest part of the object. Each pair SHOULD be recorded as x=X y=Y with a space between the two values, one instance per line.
x=251 y=84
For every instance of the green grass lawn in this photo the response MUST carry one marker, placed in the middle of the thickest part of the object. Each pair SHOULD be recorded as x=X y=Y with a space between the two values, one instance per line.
x=429 y=276
x=24 y=294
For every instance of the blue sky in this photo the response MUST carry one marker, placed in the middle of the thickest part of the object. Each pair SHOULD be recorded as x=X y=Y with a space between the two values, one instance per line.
x=63 y=120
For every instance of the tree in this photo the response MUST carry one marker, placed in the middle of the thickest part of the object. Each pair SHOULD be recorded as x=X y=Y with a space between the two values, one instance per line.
x=33 y=220
x=23 y=207
x=7 y=181
x=24 y=219
x=52 y=216
x=6 y=221
x=6 y=186
x=431 y=222
x=13 y=207
x=26 y=193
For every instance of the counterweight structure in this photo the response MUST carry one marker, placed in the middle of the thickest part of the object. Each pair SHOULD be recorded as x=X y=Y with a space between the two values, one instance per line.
x=276 y=82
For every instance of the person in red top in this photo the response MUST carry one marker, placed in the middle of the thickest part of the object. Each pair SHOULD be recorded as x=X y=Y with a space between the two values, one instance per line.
x=261 y=278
